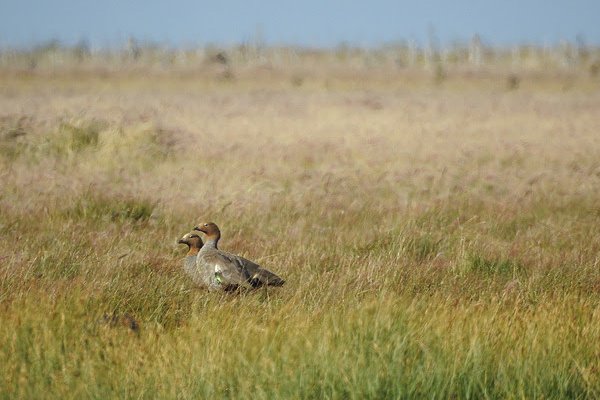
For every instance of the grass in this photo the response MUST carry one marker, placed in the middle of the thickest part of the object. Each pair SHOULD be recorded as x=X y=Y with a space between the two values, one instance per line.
x=437 y=241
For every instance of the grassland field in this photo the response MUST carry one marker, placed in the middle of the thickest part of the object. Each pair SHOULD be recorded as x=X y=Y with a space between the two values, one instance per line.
x=439 y=238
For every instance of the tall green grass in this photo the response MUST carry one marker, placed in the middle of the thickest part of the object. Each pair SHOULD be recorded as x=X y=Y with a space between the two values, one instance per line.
x=405 y=316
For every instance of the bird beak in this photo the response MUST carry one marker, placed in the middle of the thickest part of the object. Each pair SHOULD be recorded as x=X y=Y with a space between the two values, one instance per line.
x=196 y=228
x=180 y=241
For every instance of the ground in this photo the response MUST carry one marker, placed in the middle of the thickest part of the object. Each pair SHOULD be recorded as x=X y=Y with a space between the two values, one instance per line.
x=438 y=234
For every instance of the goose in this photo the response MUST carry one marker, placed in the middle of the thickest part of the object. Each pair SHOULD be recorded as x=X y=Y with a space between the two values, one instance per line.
x=194 y=243
x=225 y=271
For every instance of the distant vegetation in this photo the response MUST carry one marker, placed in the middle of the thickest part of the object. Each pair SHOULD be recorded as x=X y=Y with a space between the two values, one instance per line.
x=401 y=55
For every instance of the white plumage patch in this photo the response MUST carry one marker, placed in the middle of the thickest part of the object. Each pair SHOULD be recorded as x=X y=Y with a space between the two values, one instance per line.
x=218 y=274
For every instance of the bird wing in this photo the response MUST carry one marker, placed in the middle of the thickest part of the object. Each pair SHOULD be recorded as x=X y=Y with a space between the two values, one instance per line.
x=265 y=277
x=227 y=269
x=256 y=274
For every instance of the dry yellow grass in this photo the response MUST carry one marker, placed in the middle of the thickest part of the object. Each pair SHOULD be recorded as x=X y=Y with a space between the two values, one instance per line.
x=437 y=240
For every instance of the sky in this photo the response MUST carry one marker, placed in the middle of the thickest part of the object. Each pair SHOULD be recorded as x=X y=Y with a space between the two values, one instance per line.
x=311 y=23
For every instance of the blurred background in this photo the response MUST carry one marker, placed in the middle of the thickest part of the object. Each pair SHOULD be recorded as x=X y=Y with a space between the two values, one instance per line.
x=38 y=34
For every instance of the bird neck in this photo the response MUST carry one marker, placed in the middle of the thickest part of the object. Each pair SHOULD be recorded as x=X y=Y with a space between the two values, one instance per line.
x=193 y=251
x=211 y=242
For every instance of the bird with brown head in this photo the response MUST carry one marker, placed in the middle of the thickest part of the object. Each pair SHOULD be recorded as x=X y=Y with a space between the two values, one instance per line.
x=225 y=271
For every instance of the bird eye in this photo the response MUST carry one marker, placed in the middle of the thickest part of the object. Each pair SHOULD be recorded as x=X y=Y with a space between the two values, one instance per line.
x=205 y=224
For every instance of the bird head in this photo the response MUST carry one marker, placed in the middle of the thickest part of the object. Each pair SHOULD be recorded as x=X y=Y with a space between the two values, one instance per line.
x=207 y=227
x=192 y=240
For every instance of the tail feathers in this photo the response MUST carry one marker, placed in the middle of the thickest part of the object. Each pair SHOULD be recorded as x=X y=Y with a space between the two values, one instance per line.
x=266 y=277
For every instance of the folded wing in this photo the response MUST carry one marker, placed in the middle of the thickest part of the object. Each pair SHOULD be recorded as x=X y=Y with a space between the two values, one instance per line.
x=256 y=275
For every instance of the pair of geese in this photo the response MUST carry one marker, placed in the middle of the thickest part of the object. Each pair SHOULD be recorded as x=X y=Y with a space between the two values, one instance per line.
x=218 y=270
